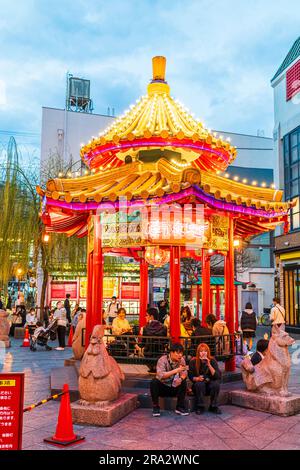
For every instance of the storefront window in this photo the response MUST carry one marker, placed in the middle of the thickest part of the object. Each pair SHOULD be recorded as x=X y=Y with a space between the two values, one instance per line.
x=291 y=147
x=292 y=295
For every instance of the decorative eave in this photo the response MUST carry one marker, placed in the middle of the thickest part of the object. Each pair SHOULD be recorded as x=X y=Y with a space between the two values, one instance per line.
x=158 y=121
x=143 y=181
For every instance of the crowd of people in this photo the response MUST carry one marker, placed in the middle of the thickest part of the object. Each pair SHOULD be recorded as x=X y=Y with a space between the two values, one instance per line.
x=172 y=374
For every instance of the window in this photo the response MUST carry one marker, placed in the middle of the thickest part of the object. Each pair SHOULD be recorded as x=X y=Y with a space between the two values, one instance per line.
x=295 y=216
x=260 y=257
x=293 y=81
x=291 y=149
x=292 y=295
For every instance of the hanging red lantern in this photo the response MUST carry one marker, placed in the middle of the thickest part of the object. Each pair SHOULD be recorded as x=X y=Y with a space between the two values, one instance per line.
x=157 y=256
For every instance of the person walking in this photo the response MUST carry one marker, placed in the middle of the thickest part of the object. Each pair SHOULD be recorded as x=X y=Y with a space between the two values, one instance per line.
x=61 y=315
x=112 y=310
x=248 y=325
x=277 y=315
x=67 y=307
x=205 y=375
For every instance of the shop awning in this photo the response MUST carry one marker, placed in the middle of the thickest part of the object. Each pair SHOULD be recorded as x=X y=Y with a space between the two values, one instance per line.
x=216 y=281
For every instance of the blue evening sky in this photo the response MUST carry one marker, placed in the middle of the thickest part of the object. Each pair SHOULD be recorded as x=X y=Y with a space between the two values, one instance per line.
x=221 y=56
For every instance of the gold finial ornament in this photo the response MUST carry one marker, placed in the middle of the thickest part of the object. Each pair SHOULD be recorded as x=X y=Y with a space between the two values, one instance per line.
x=159 y=67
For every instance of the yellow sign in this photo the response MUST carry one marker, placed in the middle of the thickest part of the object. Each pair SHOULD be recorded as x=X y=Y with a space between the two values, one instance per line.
x=7 y=383
x=218 y=237
x=294 y=255
x=91 y=234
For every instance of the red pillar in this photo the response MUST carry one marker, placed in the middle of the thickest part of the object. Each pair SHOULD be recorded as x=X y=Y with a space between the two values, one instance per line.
x=97 y=275
x=198 y=300
x=218 y=303
x=143 y=290
x=95 y=279
x=175 y=293
x=211 y=297
x=206 y=296
x=88 y=320
x=236 y=312
x=229 y=291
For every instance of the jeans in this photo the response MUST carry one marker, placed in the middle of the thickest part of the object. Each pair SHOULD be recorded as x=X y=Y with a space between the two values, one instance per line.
x=202 y=389
x=159 y=389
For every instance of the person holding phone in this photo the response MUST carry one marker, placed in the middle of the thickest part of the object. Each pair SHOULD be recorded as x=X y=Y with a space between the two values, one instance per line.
x=205 y=375
x=170 y=381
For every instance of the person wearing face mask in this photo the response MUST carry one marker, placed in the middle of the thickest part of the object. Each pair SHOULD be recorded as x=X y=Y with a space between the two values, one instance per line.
x=61 y=315
x=205 y=375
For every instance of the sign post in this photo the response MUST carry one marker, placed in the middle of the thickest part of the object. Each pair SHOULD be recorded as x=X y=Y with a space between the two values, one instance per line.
x=11 y=410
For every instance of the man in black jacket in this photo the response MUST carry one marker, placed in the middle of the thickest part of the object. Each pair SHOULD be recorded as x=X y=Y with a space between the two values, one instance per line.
x=204 y=333
x=67 y=307
x=153 y=348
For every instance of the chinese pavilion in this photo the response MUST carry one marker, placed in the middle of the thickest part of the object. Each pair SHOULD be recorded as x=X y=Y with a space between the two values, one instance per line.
x=151 y=165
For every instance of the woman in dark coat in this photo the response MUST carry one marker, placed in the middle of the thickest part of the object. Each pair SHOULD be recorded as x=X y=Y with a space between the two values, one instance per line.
x=205 y=375
x=248 y=325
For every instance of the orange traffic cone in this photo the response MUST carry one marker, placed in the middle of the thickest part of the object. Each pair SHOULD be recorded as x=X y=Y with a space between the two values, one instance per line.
x=70 y=336
x=26 y=342
x=64 y=435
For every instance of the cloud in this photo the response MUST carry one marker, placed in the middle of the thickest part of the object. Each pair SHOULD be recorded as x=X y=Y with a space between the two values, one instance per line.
x=221 y=55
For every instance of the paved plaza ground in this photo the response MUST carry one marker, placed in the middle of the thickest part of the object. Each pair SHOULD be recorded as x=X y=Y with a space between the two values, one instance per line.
x=236 y=428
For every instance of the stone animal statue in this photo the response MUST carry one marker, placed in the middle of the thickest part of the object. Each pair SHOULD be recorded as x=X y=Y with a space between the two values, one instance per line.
x=78 y=349
x=4 y=328
x=100 y=376
x=271 y=375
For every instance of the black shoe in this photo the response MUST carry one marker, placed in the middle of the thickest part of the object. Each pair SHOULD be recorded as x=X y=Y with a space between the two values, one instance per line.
x=215 y=409
x=48 y=348
x=181 y=411
x=156 y=411
x=200 y=411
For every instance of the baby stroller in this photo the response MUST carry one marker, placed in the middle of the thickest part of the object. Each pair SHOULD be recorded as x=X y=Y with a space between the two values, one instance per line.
x=42 y=335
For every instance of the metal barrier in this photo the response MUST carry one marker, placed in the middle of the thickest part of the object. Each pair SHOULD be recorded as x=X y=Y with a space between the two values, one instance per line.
x=42 y=402
x=136 y=349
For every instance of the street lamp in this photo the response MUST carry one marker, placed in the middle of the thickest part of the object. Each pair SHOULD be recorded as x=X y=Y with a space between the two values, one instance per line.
x=46 y=238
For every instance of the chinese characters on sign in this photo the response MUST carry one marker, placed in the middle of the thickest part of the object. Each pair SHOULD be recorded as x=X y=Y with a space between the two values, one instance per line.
x=11 y=411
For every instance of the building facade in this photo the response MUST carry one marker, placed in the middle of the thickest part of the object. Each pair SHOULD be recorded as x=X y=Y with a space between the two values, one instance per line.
x=286 y=85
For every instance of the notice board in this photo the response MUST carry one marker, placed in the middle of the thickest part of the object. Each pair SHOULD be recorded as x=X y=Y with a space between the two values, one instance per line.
x=11 y=410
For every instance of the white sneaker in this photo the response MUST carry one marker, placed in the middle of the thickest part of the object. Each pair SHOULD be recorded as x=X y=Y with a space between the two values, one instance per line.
x=59 y=349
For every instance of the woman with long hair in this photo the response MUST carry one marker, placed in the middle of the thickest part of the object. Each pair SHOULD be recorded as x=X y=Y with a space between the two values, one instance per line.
x=186 y=319
x=205 y=375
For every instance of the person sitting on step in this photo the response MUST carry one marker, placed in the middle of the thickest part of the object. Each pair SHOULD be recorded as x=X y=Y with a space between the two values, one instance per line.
x=170 y=381
x=205 y=375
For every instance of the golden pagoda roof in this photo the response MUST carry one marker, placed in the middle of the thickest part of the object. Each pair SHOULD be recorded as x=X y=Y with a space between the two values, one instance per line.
x=158 y=120
x=140 y=180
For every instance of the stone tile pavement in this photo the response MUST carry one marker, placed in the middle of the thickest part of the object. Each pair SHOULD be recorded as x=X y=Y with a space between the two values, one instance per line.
x=236 y=428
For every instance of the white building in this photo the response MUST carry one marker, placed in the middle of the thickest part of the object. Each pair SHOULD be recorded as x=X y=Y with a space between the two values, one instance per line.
x=286 y=85
x=63 y=132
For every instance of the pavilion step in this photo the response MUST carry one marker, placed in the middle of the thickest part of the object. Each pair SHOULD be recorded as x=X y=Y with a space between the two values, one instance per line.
x=169 y=403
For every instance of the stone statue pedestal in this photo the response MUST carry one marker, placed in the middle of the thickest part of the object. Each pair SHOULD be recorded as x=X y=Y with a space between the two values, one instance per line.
x=281 y=406
x=4 y=342
x=105 y=414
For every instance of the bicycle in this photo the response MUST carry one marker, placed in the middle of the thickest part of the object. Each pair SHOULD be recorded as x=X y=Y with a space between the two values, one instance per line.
x=264 y=320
